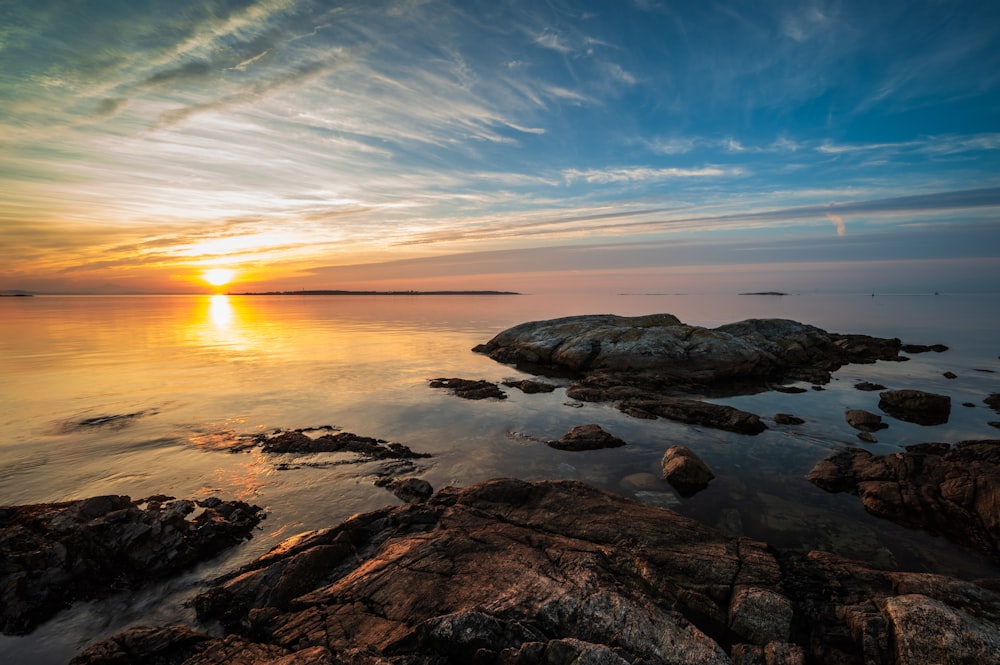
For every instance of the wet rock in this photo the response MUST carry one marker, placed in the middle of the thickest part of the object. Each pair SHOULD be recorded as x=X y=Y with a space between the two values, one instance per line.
x=867 y=437
x=113 y=421
x=993 y=401
x=789 y=390
x=694 y=412
x=507 y=572
x=916 y=406
x=868 y=386
x=368 y=448
x=586 y=437
x=950 y=375
x=923 y=348
x=787 y=419
x=469 y=388
x=685 y=471
x=943 y=490
x=57 y=553
x=530 y=387
x=410 y=490
x=658 y=352
x=864 y=420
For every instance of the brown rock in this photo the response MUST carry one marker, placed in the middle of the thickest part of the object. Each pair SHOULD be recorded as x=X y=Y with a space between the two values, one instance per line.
x=685 y=471
x=863 y=420
x=951 y=491
x=586 y=437
x=530 y=387
x=868 y=386
x=916 y=406
x=469 y=388
x=718 y=416
x=507 y=572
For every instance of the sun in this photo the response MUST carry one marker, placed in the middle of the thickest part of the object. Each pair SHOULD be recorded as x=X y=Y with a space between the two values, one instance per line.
x=218 y=276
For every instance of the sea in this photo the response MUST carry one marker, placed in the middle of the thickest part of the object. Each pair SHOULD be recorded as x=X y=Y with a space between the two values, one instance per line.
x=143 y=395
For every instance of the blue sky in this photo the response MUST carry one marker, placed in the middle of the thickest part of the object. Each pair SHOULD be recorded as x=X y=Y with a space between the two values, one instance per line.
x=634 y=145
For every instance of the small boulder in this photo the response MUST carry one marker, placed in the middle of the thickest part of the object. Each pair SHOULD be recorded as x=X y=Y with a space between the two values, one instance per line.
x=409 y=490
x=863 y=420
x=530 y=387
x=868 y=386
x=685 y=471
x=787 y=419
x=950 y=375
x=586 y=437
x=916 y=406
x=469 y=388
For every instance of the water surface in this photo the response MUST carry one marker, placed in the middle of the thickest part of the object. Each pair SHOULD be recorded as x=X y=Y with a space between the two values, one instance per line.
x=138 y=395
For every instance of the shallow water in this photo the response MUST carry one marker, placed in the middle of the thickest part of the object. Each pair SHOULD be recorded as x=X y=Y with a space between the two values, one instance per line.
x=136 y=395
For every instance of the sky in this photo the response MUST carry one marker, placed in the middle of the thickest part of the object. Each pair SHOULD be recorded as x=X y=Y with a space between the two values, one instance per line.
x=538 y=146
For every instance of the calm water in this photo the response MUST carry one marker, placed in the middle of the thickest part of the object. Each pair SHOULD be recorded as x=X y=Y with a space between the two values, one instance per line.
x=198 y=368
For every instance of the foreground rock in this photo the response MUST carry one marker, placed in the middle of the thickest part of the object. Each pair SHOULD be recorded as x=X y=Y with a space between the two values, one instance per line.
x=508 y=572
x=916 y=406
x=368 y=448
x=53 y=554
x=586 y=437
x=864 y=421
x=659 y=352
x=685 y=471
x=944 y=490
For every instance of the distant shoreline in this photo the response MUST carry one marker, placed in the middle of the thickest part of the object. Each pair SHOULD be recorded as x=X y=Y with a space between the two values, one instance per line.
x=328 y=292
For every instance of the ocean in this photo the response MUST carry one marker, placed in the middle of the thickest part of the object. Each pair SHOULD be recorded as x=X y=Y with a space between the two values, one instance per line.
x=143 y=395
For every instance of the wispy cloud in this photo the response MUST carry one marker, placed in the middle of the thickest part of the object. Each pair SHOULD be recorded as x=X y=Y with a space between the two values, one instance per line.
x=644 y=174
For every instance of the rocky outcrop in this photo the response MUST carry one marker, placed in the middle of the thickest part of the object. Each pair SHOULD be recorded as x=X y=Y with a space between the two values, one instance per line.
x=470 y=388
x=586 y=437
x=659 y=352
x=916 y=406
x=507 y=572
x=410 y=490
x=694 y=412
x=868 y=386
x=296 y=441
x=685 y=471
x=529 y=386
x=788 y=419
x=53 y=554
x=953 y=491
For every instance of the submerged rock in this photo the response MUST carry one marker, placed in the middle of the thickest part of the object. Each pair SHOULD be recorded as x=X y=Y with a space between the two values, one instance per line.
x=944 y=490
x=55 y=553
x=586 y=437
x=295 y=441
x=507 y=572
x=787 y=419
x=695 y=412
x=916 y=406
x=685 y=471
x=530 y=387
x=868 y=386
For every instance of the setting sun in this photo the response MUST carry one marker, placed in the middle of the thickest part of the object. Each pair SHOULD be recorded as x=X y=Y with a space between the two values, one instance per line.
x=218 y=276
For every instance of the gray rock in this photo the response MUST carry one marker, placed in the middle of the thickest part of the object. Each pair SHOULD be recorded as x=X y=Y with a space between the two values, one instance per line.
x=787 y=419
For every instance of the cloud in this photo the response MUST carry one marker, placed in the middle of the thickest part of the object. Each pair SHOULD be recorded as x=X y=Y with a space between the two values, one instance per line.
x=644 y=174
x=838 y=222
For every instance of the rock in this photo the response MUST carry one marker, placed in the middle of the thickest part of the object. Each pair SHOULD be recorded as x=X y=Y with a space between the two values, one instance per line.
x=950 y=375
x=470 y=389
x=685 y=471
x=944 y=490
x=789 y=390
x=586 y=437
x=54 y=554
x=658 y=352
x=507 y=572
x=863 y=420
x=994 y=423
x=867 y=437
x=993 y=401
x=410 y=490
x=869 y=386
x=969 y=405
x=916 y=406
x=694 y=412
x=295 y=441
x=529 y=387
x=787 y=419
x=923 y=348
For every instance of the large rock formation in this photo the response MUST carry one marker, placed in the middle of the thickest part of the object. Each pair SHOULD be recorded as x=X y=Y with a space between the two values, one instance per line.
x=661 y=353
x=512 y=572
x=52 y=554
x=945 y=490
x=916 y=406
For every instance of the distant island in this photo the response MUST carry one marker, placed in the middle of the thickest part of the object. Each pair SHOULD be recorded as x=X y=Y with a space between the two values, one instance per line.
x=327 y=292
x=765 y=293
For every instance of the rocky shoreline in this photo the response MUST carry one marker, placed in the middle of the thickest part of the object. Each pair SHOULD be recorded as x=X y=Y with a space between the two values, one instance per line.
x=514 y=572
